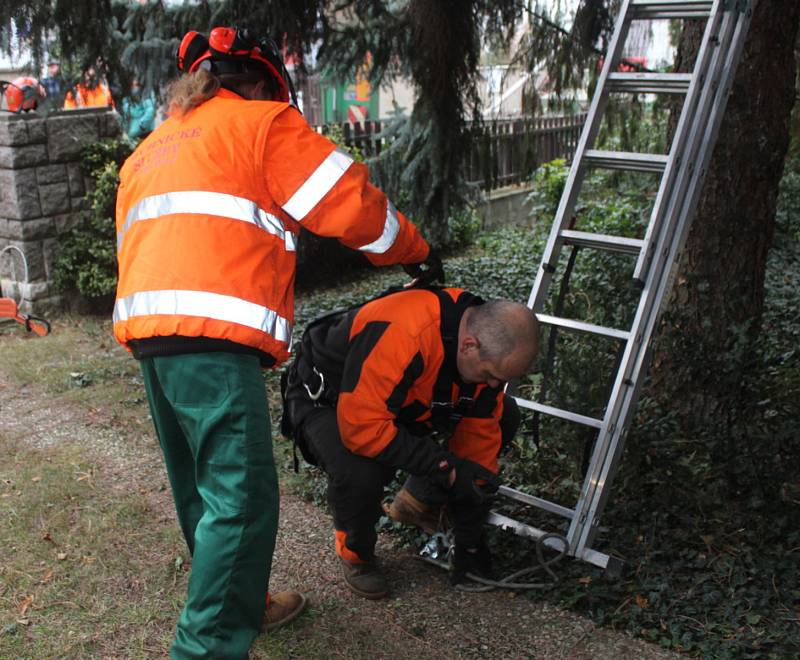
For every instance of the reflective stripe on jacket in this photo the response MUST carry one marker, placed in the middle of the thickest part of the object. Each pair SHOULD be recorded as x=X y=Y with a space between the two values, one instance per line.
x=389 y=353
x=208 y=210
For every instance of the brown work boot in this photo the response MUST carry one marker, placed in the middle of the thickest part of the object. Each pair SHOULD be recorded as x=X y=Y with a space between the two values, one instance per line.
x=365 y=579
x=406 y=508
x=282 y=607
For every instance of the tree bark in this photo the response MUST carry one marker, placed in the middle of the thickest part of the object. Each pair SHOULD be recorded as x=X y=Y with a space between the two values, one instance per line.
x=713 y=316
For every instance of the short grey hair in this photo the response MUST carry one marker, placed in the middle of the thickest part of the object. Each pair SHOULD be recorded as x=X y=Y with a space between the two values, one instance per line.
x=501 y=326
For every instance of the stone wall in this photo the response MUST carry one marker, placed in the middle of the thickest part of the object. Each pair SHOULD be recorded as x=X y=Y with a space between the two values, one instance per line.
x=505 y=207
x=42 y=189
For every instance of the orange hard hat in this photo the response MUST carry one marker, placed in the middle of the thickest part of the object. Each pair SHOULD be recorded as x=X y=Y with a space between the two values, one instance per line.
x=23 y=94
x=233 y=50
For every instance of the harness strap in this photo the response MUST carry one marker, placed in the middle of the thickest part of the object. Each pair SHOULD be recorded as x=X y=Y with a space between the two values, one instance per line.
x=444 y=415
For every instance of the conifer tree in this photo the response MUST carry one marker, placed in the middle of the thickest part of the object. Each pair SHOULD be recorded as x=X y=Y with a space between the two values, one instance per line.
x=438 y=44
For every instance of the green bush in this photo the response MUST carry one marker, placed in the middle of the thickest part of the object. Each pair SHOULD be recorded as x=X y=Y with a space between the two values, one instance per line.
x=548 y=184
x=87 y=258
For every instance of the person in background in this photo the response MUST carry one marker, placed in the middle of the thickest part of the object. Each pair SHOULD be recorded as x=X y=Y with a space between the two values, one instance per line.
x=138 y=112
x=92 y=92
x=54 y=84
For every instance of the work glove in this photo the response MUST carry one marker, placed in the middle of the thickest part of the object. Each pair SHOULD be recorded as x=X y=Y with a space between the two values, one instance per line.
x=433 y=271
x=464 y=488
x=477 y=561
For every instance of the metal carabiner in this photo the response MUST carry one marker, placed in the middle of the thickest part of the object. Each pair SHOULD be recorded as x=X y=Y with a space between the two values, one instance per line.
x=316 y=395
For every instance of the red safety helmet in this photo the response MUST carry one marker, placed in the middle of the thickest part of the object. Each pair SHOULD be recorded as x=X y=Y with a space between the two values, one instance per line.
x=23 y=94
x=233 y=50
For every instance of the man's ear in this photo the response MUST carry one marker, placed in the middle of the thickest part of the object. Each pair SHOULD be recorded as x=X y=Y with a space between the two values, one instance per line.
x=469 y=342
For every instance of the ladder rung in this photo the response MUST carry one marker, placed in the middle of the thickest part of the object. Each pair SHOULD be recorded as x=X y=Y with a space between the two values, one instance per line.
x=625 y=160
x=602 y=241
x=561 y=414
x=581 y=326
x=660 y=9
x=649 y=83
x=546 y=505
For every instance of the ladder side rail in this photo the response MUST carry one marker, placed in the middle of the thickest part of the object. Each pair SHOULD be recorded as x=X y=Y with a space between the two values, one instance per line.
x=625 y=394
x=676 y=155
x=664 y=215
x=577 y=171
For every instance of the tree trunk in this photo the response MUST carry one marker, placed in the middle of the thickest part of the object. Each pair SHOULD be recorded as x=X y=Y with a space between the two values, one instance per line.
x=713 y=316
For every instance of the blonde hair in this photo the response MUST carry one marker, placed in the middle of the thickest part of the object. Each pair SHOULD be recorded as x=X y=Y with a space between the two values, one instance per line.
x=193 y=89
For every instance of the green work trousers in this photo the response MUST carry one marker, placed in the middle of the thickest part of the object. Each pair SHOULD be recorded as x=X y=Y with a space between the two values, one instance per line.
x=211 y=417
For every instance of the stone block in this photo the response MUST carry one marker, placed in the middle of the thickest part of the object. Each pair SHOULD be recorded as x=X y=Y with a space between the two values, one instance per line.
x=77 y=188
x=32 y=229
x=28 y=155
x=110 y=125
x=9 y=288
x=66 y=221
x=51 y=174
x=37 y=130
x=12 y=263
x=68 y=134
x=49 y=253
x=19 y=194
x=43 y=306
x=79 y=204
x=34 y=291
x=13 y=130
x=4 y=231
x=54 y=198
x=34 y=257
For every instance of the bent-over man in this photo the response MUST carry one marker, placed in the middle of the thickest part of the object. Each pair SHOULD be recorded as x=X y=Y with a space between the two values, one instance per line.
x=412 y=380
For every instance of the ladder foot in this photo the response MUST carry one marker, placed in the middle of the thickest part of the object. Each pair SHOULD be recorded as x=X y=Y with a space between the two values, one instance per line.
x=615 y=569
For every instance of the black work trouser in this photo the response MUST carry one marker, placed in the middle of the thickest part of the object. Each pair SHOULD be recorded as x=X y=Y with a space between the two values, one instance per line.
x=356 y=483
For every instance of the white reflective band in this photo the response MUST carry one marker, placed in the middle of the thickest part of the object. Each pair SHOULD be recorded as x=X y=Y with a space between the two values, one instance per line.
x=206 y=203
x=205 y=305
x=391 y=227
x=318 y=184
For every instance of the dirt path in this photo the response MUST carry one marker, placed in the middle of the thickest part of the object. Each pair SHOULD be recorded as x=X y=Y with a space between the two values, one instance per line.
x=423 y=618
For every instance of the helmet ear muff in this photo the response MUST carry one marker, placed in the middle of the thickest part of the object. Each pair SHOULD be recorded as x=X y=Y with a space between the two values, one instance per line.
x=193 y=48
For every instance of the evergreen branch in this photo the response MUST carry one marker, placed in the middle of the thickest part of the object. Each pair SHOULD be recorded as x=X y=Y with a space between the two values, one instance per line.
x=548 y=23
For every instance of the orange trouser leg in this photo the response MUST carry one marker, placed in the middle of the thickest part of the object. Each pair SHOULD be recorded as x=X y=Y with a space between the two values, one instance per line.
x=343 y=551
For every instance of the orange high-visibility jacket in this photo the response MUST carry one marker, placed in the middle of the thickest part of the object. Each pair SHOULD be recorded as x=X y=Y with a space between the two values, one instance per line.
x=87 y=97
x=389 y=353
x=208 y=211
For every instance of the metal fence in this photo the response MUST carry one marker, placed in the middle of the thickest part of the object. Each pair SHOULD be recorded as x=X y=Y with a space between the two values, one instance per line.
x=501 y=152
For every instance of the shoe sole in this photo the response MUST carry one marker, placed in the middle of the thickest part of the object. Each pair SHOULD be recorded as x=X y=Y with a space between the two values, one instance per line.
x=296 y=612
x=370 y=595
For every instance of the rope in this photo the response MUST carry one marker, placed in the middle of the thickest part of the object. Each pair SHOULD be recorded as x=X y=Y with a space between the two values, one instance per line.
x=509 y=581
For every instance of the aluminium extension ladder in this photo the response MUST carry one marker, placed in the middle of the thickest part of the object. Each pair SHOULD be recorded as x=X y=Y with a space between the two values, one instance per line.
x=682 y=170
